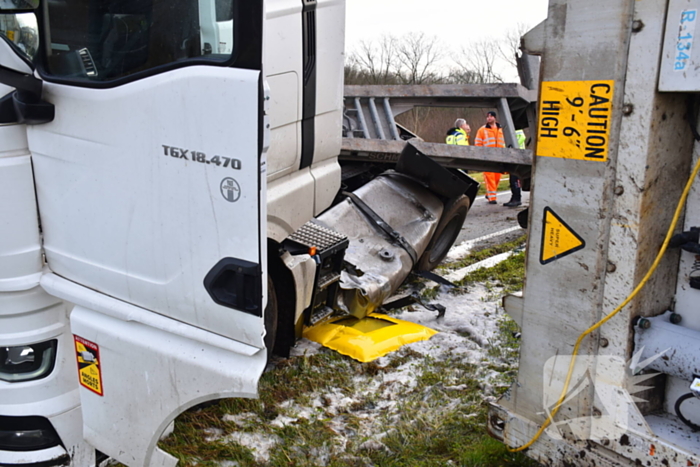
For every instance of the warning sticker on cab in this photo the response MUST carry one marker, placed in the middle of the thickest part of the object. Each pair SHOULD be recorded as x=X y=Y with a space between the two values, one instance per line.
x=558 y=239
x=89 y=372
x=574 y=120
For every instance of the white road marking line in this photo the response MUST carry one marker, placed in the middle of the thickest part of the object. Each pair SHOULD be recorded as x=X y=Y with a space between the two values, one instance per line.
x=483 y=199
x=460 y=274
x=463 y=249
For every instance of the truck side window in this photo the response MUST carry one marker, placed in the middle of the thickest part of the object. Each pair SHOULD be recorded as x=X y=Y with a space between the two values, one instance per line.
x=104 y=40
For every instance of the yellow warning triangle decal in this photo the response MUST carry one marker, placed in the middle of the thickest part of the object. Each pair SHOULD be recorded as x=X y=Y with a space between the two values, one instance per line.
x=558 y=239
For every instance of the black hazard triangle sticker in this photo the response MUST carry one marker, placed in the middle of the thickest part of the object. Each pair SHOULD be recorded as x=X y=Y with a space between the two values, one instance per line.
x=558 y=239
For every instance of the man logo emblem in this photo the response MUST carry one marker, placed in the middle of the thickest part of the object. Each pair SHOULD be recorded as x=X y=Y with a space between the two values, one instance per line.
x=230 y=190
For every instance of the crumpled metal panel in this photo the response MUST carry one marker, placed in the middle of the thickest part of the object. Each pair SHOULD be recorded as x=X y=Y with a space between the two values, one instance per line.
x=378 y=267
x=669 y=348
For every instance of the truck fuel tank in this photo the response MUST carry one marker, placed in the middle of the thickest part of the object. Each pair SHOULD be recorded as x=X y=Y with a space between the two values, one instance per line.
x=368 y=244
x=377 y=264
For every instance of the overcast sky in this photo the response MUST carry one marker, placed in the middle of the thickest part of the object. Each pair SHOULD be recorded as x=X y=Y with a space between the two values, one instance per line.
x=456 y=23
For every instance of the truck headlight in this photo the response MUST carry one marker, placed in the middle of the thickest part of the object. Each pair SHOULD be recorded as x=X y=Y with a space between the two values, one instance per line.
x=27 y=362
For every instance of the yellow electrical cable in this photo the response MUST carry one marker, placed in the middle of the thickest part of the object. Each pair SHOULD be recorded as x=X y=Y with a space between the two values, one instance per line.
x=639 y=287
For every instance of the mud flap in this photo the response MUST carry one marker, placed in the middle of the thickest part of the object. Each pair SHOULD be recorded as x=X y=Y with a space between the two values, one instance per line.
x=369 y=338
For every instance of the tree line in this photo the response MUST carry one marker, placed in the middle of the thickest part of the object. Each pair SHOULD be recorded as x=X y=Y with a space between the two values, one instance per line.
x=421 y=59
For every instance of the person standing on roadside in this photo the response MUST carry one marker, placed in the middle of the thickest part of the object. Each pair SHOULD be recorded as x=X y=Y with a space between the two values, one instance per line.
x=459 y=135
x=515 y=190
x=491 y=136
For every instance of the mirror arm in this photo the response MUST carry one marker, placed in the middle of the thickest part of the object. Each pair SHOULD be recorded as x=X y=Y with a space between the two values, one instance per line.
x=27 y=105
x=8 y=114
x=21 y=81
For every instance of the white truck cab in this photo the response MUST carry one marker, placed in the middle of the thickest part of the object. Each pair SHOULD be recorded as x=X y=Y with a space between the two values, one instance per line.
x=165 y=160
x=151 y=182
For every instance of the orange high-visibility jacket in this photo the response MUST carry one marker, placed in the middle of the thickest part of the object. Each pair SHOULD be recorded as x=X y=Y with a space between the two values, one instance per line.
x=490 y=137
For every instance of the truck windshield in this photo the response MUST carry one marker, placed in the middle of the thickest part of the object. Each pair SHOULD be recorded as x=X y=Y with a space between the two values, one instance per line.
x=103 y=40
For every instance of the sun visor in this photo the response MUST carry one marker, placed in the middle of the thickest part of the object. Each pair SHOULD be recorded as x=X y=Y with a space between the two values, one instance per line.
x=369 y=338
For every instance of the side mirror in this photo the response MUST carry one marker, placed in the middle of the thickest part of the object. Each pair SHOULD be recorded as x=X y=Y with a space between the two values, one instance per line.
x=18 y=5
x=24 y=105
x=21 y=31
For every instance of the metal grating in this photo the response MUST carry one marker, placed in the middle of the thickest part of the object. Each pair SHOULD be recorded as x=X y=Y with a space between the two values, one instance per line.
x=311 y=234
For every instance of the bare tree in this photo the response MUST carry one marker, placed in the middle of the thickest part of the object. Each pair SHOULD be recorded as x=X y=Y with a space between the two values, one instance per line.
x=353 y=73
x=418 y=55
x=461 y=75
x=377 y=63
x=478 y=62
x=409 y=59
x=509 y=46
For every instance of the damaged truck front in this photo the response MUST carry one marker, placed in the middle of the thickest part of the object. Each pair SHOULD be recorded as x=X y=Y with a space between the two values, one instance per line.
x=182 y=163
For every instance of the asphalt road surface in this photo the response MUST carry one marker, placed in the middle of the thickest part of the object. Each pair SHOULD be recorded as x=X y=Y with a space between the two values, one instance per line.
x=492 y=224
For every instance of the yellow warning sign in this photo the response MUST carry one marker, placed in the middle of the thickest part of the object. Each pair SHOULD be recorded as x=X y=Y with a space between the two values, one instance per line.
x=558 y=239
x=89 y=373
x=574 y=119
x=11 y=35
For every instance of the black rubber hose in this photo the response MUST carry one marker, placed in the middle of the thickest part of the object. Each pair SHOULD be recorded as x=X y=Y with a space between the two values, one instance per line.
x=677 y=408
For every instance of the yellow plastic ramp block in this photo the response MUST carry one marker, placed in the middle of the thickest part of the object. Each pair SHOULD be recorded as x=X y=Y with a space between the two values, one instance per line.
x=369 y=338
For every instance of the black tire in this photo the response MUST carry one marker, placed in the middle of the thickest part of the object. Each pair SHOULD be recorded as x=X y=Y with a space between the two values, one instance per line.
x=446 y=233
x=271 y=310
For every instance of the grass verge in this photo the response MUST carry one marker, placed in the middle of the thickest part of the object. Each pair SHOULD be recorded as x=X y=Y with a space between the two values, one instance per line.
x=505 y=277
x=409 y=408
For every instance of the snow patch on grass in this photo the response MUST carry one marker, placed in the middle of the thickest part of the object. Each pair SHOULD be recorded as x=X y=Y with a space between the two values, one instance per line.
x=364 y=416
x=260 y=444
x=406 y=398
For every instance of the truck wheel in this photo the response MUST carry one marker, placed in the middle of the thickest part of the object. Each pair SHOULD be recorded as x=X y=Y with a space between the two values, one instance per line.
x=270 y=318
x=445 y=234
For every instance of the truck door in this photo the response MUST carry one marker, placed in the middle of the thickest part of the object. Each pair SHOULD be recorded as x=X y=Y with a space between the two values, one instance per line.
x=150 y=186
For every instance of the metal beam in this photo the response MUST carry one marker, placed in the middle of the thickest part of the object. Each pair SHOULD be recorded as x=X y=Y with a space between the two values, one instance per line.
x=529 y=70
x=507 y=123
x=453 y=92
x=375 y=119
x=512 y=97
x=516 y=161
x=390 y=119
x=361 y=118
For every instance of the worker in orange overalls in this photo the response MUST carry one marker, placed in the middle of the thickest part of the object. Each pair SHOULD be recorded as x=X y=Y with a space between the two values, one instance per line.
x=491 y=136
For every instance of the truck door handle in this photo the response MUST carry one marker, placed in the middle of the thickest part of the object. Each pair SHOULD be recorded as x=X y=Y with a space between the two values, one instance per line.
x=237 y=284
